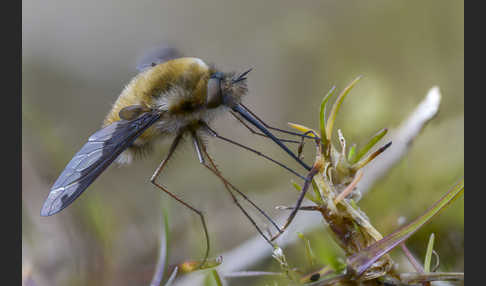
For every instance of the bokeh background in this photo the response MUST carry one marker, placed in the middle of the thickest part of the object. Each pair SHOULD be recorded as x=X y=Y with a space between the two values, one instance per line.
x=78 y=55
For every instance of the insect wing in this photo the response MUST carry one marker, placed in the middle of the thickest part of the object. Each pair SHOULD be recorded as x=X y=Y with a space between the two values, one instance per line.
x=102 y=148
x=157 y=55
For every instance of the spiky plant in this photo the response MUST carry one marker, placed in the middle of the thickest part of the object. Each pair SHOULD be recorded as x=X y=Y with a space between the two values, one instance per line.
x=335 y=174
x=331 y=187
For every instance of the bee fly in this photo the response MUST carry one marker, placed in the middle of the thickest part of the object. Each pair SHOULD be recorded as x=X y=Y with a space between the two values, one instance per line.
x=172 y=98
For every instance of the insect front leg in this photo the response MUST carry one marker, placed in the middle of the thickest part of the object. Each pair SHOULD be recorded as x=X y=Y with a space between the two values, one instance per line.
x=298 y=204
x=202 y=154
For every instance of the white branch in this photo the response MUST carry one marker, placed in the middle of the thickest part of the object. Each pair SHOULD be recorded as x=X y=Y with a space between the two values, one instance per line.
x=402 y=138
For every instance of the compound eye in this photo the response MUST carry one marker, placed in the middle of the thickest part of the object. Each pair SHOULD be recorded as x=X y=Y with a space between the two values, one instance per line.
x=214 y=97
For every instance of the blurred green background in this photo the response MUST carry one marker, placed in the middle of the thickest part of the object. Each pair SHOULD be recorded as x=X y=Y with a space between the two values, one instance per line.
x=78 y=55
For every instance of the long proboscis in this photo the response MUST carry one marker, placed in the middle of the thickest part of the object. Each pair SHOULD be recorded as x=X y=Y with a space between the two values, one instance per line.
x=248 y=117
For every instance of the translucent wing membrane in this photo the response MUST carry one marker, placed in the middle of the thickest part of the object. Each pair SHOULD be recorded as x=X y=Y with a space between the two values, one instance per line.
x=98 y=153
x=157 y=56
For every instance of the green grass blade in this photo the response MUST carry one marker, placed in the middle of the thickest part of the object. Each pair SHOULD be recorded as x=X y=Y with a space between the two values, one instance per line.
x=322 y=117
x=317 y=196
x=351 y=153
x=308 y=250
x=296 y=186
x=336 y=106
x=377 y=137
x=216 y=277
x=365 y=258
x=212 y=279
x=428 y=254
x=358 y=165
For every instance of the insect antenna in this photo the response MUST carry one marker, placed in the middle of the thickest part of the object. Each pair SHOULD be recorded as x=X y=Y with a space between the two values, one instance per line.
x=242 y=77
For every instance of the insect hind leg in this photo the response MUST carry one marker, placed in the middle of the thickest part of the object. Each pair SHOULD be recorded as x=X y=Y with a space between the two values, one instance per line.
x=153 y=179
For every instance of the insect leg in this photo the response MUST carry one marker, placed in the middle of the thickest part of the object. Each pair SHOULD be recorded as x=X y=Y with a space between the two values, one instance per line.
x=202 y=153
x=300 y=148
x=159 y=169
x=215 y=134
x=301 y=145
x=308 y=180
